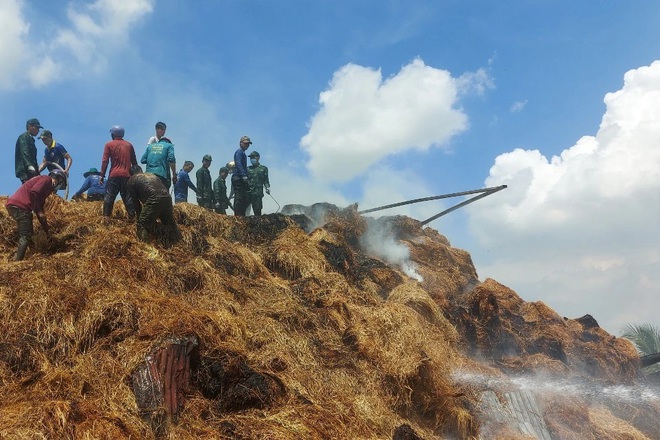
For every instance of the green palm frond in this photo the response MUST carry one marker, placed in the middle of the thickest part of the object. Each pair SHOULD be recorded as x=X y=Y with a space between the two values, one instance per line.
x=646 y=337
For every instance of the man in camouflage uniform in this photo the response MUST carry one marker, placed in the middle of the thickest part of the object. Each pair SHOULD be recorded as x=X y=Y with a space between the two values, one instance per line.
x=258 y=178
x=205 y=197
x=25 y=157
x=220 y=192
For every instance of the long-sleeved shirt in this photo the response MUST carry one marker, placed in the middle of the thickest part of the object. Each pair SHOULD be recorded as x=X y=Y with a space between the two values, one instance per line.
x=240 y=160
x=25 y=156
x=258 y=178
x=92 y=185
x=158 y=157
x=143 y=187
x=181 y=186
x=121 y=155
x=32 y=195
x=220 y=192
x=204 y=184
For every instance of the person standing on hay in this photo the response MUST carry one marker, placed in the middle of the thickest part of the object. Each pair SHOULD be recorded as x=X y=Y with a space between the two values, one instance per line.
x=25 y=156
x=31 y=197
x=205 y=197
x=159 y=158
x=239 y=180
x=121 y=155
x=93 y=185
x=183 y=182
x=258 y=179
x=54 y=154
x=220 y=192
x=152 y=202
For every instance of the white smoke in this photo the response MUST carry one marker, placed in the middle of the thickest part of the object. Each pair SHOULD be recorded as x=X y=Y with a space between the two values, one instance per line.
x=378 y=242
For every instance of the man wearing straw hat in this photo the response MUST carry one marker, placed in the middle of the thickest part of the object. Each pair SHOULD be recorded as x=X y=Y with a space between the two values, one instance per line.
x=93 y=185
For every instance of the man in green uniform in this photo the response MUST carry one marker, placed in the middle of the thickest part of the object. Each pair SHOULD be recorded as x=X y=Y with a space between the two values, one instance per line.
x=25 y=156
x=205 y=195
x=220 y=192
x=258 y=178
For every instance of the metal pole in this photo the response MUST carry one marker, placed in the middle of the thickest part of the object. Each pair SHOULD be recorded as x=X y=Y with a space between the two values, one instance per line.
x=443 y=196
x=466 y=202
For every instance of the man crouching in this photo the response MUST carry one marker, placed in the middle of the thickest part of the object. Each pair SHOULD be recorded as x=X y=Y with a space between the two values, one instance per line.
x=152 y=202
x=31 y=197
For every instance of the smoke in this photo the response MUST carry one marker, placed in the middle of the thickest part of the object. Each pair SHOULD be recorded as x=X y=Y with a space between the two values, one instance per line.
x=380 y=242
x=594 y=392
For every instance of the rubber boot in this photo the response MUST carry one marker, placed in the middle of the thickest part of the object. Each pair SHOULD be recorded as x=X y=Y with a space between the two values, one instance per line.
x=22 y=248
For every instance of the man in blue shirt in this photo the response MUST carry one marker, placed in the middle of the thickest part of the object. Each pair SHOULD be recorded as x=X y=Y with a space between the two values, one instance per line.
x=54 y=154
x=93 y=185
x=183 y=182
x=239 y=179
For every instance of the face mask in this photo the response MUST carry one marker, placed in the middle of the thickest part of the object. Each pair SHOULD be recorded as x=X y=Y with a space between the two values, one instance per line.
x=253 y=161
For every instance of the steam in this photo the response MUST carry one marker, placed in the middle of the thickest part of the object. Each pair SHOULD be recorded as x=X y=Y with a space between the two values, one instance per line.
x=379 y=242
x=572 y=387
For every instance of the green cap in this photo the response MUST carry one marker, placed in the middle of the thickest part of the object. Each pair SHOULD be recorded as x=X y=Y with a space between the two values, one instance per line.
x=255 y=153
x=207 y=157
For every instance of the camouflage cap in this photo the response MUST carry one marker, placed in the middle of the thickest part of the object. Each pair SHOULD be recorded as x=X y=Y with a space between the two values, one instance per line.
x=207 y=157
x=224 y=170
x=255 y=153
x=246 y=139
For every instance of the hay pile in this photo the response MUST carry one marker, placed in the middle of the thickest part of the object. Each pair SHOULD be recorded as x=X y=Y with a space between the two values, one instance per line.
x=285 y=331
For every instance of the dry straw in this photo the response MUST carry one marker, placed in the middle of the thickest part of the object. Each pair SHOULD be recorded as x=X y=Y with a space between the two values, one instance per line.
x=301 y=334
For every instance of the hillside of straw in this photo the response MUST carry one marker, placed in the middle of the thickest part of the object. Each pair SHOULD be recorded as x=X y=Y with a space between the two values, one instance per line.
x=294 y=332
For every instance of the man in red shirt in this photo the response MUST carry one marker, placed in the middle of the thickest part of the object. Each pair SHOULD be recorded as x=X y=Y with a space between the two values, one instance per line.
x=121 y=155
x=31 y=197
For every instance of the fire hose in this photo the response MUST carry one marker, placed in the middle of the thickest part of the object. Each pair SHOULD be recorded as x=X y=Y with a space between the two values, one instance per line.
x=482 y=193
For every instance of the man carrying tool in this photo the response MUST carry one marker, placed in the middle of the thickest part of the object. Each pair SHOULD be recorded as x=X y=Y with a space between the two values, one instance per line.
x=25 y=156
x=239 y=179
x=258 y=179
x=54 y=154
x=31 y=197
x=152 y=203
x=220 y=192
x=205 y=196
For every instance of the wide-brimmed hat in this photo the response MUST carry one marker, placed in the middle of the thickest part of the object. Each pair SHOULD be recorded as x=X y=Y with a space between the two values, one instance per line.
x=92 y=171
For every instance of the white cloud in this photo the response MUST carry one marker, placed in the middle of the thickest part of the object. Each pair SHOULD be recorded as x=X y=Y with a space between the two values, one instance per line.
x=83 y=45
x=13 y=31
x=518 y=106
x=364 y=118
x=579 y=230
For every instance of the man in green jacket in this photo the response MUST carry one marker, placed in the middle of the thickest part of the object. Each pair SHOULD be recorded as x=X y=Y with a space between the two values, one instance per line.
x=205 y=195
x=25 y=157
x=160 y=160
x=258 y=178
x=220 y=192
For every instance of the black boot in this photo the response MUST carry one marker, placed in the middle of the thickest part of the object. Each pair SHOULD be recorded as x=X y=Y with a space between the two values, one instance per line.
x=22 y=248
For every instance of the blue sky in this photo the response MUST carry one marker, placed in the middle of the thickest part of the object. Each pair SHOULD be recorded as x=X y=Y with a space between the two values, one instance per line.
x=377 y=102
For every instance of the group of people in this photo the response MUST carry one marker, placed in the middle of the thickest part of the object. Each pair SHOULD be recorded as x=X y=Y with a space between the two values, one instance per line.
x=145 y=193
